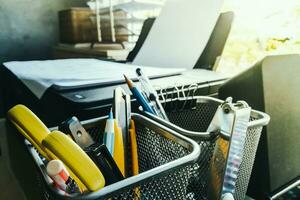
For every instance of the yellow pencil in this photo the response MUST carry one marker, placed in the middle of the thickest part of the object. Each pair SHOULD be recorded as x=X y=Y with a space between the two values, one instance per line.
x=134 y=156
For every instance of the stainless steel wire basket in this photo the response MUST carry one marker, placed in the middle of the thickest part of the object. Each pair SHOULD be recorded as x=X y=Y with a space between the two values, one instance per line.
x=166 y=165
x=191 y=116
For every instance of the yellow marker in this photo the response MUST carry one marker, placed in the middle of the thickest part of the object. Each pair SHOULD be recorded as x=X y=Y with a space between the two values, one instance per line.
x=75 y=159
x=30 y=126
x=134 y=156
x=134 y=153
x=119 y=149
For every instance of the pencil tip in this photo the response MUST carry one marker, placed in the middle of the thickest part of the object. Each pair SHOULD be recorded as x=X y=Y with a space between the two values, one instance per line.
x=129 y=82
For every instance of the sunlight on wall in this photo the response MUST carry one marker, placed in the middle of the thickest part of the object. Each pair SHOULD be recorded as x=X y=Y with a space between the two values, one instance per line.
x=260 y=28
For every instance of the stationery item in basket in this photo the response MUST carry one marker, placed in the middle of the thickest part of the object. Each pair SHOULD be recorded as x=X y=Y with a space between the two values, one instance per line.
x=61 y=177
x=34 y=130
x=105 y=162
x=139 y=97
x=74 y=128
x=217 y=167
x=30 y=126
x=119 y=148
x=98 y=153
x=109 y=134
x=61 y=147
x=134 y=150
x=122 y=109
x=236 y=149
x=232 y=122
x=151 y=94
x=134 y=157
x=227 y=196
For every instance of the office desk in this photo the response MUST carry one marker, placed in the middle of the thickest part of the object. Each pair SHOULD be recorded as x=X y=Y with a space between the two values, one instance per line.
x=61 y=52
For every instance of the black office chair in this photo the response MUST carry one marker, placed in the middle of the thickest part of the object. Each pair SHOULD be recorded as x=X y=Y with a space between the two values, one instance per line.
x=213 y=49
x=216 y=43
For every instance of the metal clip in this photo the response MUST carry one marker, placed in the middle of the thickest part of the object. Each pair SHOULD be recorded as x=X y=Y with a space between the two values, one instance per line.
x=168 y=96
x=176 y=95
x=160 y=94
x=194 y=102
x=188 y=98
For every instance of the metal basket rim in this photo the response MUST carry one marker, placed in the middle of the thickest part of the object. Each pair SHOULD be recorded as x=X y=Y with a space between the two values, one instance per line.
x=262 y=119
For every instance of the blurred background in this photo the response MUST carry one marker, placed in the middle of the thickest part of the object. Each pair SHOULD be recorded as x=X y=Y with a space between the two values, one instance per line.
x=260 y=28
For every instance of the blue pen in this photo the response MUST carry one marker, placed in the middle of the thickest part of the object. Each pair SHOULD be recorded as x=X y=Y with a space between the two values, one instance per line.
x=139 y=97
x=109 y=133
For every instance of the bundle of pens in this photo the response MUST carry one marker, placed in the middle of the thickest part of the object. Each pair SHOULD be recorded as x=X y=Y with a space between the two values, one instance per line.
x=148 y=97
x=71 y=150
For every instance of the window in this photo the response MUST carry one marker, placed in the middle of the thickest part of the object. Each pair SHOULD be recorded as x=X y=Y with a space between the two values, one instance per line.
x=260 y=28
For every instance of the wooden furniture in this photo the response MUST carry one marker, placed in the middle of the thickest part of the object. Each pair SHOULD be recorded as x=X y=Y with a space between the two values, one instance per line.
x=61 y=52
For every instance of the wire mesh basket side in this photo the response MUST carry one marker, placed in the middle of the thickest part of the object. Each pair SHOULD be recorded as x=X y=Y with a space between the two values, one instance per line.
x=171 y=185
x=198 y=187
x=155 y=149
x=196 y=116
x=196 y=119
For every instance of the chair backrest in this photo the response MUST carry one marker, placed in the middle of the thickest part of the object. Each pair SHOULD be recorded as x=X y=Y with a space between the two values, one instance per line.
x=148 y=23
x=213 y=49
x=216 y=43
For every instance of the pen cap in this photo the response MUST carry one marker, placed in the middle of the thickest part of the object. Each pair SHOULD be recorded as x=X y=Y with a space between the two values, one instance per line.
x=66 y=150
x=109 y=126
x=61 y=177
x=81 y=185
x=227 y=196
x=55 y=167
x=108 y=136
x=58 y=173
